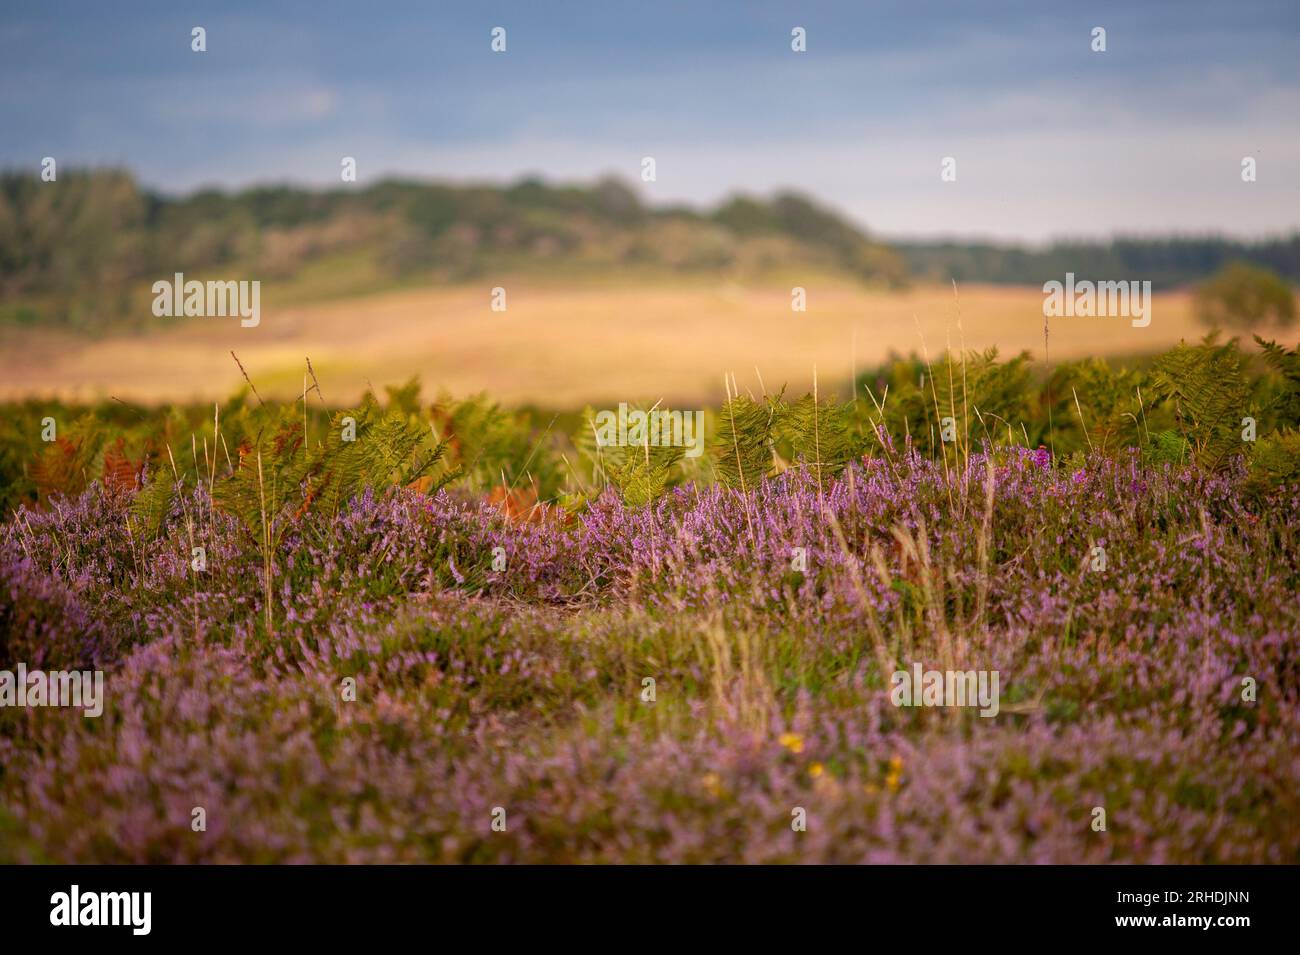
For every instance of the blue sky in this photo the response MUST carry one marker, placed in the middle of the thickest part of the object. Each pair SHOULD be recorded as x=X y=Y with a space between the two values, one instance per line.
x=1051 y=139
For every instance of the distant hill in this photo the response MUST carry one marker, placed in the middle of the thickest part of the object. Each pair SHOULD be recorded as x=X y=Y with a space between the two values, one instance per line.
x=1165 y=262
x=83 y=251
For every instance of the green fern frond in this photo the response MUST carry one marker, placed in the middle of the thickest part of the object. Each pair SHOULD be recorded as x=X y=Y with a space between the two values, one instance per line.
x=822 y=434
x=1276 y=460
x=1167 y=447
x=641 y=472
x=272 y=471
x=152 y=504
x=1210 y=394
x=1285 y=362
x=743 y=446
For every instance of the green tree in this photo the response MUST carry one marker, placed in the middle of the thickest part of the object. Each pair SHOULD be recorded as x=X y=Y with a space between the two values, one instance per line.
x=1242 y=295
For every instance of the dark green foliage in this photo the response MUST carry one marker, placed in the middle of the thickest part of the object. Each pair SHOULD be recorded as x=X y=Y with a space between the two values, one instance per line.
x=86 y=253
x=982 y=396
x=1168 y=263
x=151 y=505
x=1243 y=296
x=272 y=471
x=984 y=393
x=743 y=446
x=367 y=448
x=1109 y=412
x=404 y=398
x=364 y=447
x=494 y=447
x=822 y=434
x=641 y=473
x=1168 y=447
x=269 y=464
x=1210 y=395
x=1285 y=363
x=795 y=216
x=1277 y=459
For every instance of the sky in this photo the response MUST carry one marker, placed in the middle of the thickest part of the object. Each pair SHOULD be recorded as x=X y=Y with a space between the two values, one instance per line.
x=1051 y=139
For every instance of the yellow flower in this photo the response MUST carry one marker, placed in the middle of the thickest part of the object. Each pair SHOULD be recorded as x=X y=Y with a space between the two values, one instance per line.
x=871 y=789
x=895 y=773
x=791 y=741
x=712 y=783
x=816 y=769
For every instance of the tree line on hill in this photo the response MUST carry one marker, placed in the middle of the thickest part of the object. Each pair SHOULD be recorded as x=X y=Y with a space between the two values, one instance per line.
x=82 y=251
x=1165 y=262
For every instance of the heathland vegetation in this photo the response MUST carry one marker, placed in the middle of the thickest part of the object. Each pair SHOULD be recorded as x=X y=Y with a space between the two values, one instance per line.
x=443 y=630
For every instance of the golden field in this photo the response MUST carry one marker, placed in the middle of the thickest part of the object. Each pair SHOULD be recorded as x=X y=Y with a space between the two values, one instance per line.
x=563 y=345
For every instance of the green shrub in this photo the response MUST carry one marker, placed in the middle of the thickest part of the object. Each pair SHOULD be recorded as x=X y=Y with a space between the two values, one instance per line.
x=1244 y=296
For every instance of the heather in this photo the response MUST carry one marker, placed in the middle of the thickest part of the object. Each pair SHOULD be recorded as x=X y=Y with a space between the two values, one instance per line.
x=500 y=632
